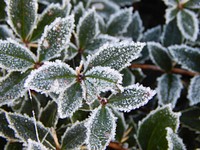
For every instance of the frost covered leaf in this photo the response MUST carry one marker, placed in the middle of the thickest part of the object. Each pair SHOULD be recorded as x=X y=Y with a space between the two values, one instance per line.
x=135 y=28
x=98 y=42
x=33 y=145
x=152 y=132
x=70 y=52
x=22 y=16
x=87 y=28
x=159 y=55
x=170 y=2
x=14 y=56
x=186 y=56
x=101 y=128
x=171 y=34
x=192 y=4
x=152 y=34
x=174 y=141
x=2 y=10
x=12 y=87
x=169 y=89
x=5 y=32
x=50 y=110
x=118 y=22
x=5 y=130
x=69 y=100
x=52 y=12
x=55 y=38
x=193 y=92
x=116 y=56
x=189 y=28
x=190 y=118
x=51 y=77
x=25 y=128
x=170 y=13
x=133 y=96
x=101 y=79
x=128 y=77
x=78 y=11
x=74 y=137
x=125 y=2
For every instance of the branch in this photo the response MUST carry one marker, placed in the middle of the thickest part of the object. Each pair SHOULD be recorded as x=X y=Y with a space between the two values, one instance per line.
x=116 y=146
x=174 y=70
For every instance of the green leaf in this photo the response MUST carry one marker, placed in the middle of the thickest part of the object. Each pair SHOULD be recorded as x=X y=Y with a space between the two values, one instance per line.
x=132 y=97
x=169 y=89
x=13 y=146
x=50 y=110
x=190 y=118
x=87 y=28
x=25 y=128
x=70 y=100
x=52 y=12
x=70 y=52
x=5 y=130
x=135 y=28
x=186 y=56
x=119 y=22
x=171 y=2
x=15 y=57
x=78 y=11
x=192 y=4
x=171 y=13
x=12 y=87
x=55 y=38
x=22 y=16
x=74 y=137
x=33 y=145
x=189 y=28
x=159 y=55
x=116 y=55
x=2 y=10
x=5 y=32
x=174 y=141
x=128 y=77
x=125 y=2
x=193 y=92
x=152 y=132
x=51 y=77
x=101 y=128
x=152 y=34
x=171 y=34
x=101 y=79
x=47 y=2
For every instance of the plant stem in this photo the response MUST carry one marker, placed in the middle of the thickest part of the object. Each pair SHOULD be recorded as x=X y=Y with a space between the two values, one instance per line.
x=116 y=146
x=174 y=70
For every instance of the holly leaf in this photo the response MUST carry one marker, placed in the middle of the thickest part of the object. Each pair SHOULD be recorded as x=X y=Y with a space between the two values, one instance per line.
x=118 y=22
x=15 y=57
x=5 y=32
x=5 y=130
x=74 y=136
x=117 y=55
x=192 y=4
x=55 y=38
x=51 y=77
x=171 y=13
x=189 y=28
x=101 y=79
x=22 y=16
x=159 y=55
x=101 y=128
x=169 y=89
x=152 y=34
x=193 y=92
x=33 y=145
x=87 y=28
x=12 y=87
x=133 y=96
x=52 y=12
x=27 y=128
x=186 y=56
x=70 y=100
x=152 y=132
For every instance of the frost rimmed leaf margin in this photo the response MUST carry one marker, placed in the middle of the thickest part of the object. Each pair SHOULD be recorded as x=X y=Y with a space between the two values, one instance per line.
x=193 y=92
x=133 y=97
x=174 y=142
x=115 y=55
x=55 y=38
x=15 y=57
x=33 y=145
x=51 y=77
x=30 y=16
x=101 y=127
